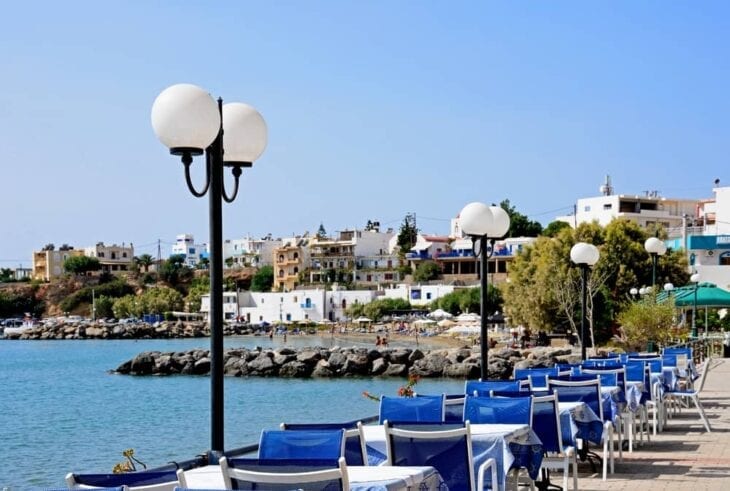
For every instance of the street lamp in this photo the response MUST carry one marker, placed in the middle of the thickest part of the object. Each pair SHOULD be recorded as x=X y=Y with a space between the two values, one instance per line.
x=669 y=288
x=190 y=122
x=484 y=223
x=634 y=291
x=655 y=248
x=584 y=255
x=695 y=278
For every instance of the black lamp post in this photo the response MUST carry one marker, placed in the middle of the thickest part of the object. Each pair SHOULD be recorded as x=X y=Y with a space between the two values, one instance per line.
x=584 y=255
x=695 y=278
x=655 y=248
x=484 y=224
x=190 y=122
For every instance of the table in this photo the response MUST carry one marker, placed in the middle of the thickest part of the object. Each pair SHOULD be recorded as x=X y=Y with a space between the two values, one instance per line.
x=362 y=478
x=511 y=446
x=579 y=421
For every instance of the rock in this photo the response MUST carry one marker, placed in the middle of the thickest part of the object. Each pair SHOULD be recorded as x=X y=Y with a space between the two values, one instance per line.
x=396 y=370
x=125 y=367
x=337 y=360
x=356 y=364
x=295 y=369
x=322 y=370
x=281 y=358
x=201 y=367
x=262 y=365
x=460 y=371
x=94 y=332
x=143 y=364
x=415 y=355
x=397 y=356
x=431 y=365
x=310 y=357
x=379 y=366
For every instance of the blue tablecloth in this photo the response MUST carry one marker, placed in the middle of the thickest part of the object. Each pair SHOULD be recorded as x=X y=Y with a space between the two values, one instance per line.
x=511 y=446
x=578 y=420
x=386 y=478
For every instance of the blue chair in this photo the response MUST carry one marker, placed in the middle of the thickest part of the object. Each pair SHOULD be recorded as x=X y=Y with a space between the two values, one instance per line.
x=669 y=360
x=546 y=424
x=454 y=408
x=285 y=475
x=498 y=410
x=422 y=409
x=446 y=447
x=589 y=393
x=148 y=480
x=304 y=444
x=483 y=388
x=119 y=488
x=678 y=351
x=536 y=376
x=355 y=448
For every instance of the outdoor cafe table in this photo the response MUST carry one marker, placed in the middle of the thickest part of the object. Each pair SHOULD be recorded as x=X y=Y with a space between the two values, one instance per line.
x=579 y=421
x=362 y=478
x=510 y=445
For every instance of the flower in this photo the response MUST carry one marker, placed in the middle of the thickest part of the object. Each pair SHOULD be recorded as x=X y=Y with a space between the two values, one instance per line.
x=403 y=391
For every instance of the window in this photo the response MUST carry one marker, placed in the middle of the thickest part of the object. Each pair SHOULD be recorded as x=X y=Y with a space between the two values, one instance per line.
x=101 y=254
x=296 y=255
x=388 y=276
x=607 y=206
x=587 y=208
x=428 y=296
x=114 y=255
x=295 y=299
x=191 y=250
x=281 y=273
x=344 y=303
x=281 y=258
x=296 y=270
x=124 y=254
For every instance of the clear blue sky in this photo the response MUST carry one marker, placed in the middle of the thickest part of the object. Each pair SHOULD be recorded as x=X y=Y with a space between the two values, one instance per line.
x=375 y=109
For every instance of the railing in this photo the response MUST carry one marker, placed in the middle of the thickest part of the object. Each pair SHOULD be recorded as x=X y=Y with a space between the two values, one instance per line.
x=703 y=347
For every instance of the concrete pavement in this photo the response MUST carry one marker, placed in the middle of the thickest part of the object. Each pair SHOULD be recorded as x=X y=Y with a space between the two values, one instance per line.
x=683 y=457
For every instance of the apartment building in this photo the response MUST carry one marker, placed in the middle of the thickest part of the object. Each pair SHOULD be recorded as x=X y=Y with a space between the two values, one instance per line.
x=113 y=259
x=48 y=263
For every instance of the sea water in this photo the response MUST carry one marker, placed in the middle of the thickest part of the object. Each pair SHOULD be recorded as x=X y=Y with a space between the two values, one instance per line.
x=61 y=410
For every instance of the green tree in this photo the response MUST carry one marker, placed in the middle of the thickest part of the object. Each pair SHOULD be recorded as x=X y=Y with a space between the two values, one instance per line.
x=263 y=280
x=229 y=262
x=520 y=225
x=470 y=300
x=81 y=264
x=156 y=300
x=427 y=271
x=204 y=263
x=200 y=286
x=6 y=274
x=145 y=261
x=554 y=228
x=174 y=272
x=376 y=309
x=104 y=307
x=407 y=234
x=647 y=320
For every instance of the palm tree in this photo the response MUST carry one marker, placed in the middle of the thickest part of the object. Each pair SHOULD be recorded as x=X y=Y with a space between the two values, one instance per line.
x=145 y=260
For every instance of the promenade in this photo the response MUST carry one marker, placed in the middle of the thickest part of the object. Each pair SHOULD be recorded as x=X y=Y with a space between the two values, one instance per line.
x=683 y=457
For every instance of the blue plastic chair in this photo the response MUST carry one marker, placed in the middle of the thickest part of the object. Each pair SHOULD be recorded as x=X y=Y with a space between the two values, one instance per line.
x=454 y=408
x=422 y=409
x=678 y=351
x=285 y=474
x=546 y=424
x=498 y=410
x=536 y=376
x=355 y=448
x=305 y=445
x=484 y=387
x=669 y=360
x=151 y=480
x=446 y=447
x=588 y=392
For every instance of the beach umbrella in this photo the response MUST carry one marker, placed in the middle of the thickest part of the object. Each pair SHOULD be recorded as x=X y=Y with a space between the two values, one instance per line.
x=467 y=317
x=464 y=330
x=440 y=314
x=424 y=322
x=362 y=319
x=446 y=323
x=708 y=295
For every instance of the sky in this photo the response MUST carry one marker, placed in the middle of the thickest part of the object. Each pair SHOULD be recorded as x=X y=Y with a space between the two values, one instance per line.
x=374 y=109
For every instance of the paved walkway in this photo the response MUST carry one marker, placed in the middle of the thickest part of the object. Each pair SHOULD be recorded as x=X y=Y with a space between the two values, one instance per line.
x=684 y=457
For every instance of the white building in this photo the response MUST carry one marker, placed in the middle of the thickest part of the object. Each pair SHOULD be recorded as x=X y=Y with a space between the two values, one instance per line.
x=646 y=210
x=315 y=304
x=250 y=252
x=185 y=246
x=113 y=259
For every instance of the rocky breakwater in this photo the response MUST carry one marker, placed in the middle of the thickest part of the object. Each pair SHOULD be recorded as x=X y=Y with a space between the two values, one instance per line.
x=136 y=330
x=462 y=363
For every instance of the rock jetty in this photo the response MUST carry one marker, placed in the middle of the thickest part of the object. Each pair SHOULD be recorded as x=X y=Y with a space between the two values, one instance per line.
x=317 y=362
x=136 y=330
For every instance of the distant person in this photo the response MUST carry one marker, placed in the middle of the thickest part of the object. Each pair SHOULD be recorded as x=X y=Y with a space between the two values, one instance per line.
x=271 y=334
x=377 y=341
x=384 y=341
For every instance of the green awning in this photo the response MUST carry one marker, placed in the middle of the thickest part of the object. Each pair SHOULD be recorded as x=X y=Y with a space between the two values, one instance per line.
x=708 y=295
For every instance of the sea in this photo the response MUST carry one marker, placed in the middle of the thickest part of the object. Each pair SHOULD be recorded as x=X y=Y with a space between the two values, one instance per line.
x=63 y=410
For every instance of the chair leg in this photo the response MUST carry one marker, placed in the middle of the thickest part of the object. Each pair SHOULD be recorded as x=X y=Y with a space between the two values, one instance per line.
x=575 y=472
x=701 y=410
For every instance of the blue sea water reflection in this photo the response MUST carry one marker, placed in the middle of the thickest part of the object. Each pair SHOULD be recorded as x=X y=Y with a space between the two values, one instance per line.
x=61 y=410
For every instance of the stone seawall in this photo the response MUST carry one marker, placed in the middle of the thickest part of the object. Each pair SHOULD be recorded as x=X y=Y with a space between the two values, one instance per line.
x=137 y=330
x=462 y=363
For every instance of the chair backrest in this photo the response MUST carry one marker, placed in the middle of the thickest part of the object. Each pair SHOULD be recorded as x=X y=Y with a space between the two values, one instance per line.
x=454 y=408
x=133 y=481
x=602 y=363
x=682 y=361
x=304 y=444
x=587 y=391
x=472 y=386
x=655 y=365
x=546 y=422
x=498 y=410
x=610 y=376
x=422 y=409
x=536 y=376
x=355 y=448
x=669 y=360
x=283 y=475
x=446 y=447
x=635 y=371
x=678 y=351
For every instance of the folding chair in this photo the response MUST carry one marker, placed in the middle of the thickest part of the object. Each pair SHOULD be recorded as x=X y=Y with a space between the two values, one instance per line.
x=131 y=481
x=304 y=444
x=421 y=409
x=285 y=474
x=546 y=424
x=473 y=387
x=446 y=447
x=537 y=376
x=588 y=392
x=355 y=448
x=693 y=395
